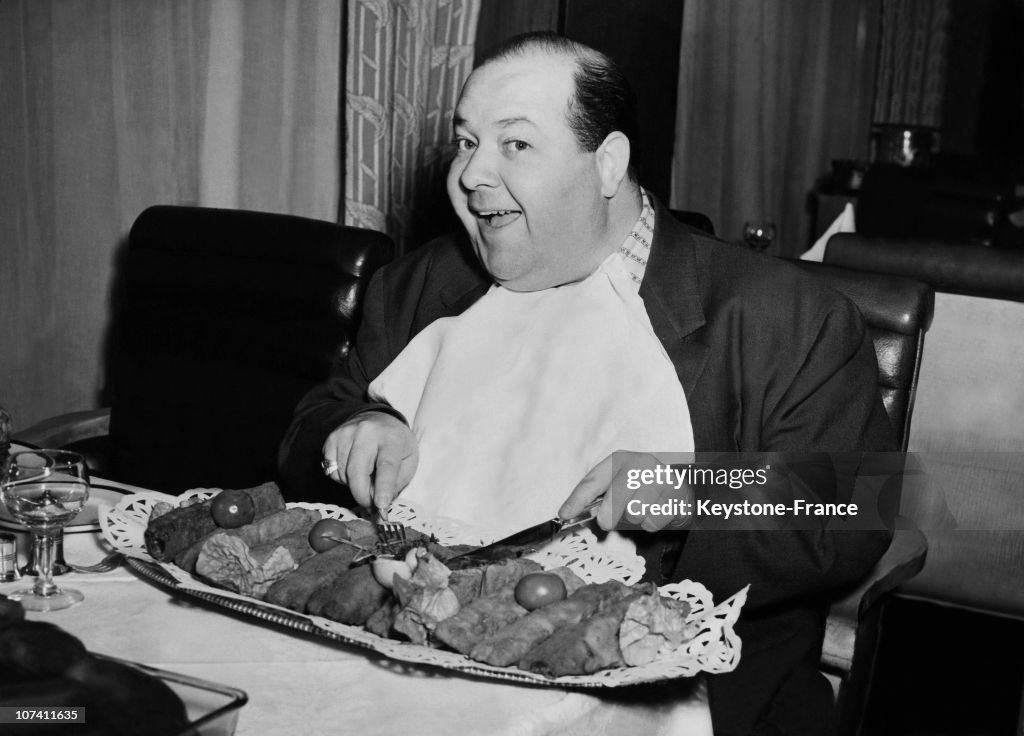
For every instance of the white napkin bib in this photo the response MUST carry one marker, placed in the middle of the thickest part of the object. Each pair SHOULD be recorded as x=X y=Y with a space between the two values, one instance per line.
x=845 y=223
x=515 y=400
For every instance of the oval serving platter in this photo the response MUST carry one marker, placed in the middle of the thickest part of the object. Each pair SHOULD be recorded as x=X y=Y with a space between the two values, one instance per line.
x=715 y=649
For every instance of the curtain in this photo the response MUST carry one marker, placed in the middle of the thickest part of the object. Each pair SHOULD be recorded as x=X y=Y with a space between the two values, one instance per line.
x=109 y=106
x=769 y=92
x=912 y=62
x=407 y=60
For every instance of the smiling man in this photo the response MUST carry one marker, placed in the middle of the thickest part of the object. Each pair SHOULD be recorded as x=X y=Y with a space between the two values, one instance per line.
x=541 y=209
x=576 y=317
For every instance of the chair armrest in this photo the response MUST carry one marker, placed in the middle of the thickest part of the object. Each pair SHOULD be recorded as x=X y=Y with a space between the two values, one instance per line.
x=65 y=429
x=902 y=561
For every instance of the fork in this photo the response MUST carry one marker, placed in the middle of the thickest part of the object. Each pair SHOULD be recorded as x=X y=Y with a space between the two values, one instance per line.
x=107 y=564
x=390 y=532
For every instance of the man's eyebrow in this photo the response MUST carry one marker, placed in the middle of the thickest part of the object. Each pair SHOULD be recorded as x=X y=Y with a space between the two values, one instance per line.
x=459 y=121
x=509 y=122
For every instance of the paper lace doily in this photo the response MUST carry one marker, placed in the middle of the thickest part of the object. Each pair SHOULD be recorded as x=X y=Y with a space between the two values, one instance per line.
x=716 y=648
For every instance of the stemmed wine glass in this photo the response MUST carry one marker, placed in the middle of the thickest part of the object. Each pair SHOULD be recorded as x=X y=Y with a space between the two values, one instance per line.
x=758 y=234
x=45 y=490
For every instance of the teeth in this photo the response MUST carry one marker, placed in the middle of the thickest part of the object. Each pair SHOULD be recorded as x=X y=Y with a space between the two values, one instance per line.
x=494 y=213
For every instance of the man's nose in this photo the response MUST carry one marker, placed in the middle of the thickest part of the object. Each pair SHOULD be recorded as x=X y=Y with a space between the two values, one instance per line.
x=479 y=171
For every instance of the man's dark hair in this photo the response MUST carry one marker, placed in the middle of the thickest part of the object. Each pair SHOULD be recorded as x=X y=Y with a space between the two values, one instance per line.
x=603 y=99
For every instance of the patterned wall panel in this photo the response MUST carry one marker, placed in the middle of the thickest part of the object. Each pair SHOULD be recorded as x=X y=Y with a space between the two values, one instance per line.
x=407 y=61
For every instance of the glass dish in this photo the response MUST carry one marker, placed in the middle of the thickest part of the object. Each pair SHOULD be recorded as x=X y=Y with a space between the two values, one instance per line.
x=212 y=708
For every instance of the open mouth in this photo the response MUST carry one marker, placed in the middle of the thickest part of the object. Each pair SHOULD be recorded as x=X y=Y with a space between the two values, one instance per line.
x=498 y=218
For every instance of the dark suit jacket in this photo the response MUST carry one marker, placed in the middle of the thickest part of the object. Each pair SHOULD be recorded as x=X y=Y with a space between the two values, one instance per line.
x=769 y=360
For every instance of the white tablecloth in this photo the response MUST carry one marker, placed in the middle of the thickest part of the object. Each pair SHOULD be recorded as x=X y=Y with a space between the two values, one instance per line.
x=298 y=684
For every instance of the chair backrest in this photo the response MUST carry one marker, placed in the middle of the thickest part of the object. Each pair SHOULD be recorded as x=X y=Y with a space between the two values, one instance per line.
x=969 y=428
x=953 y=268
x=697 y=220
x=898 y=311
x=222 y=320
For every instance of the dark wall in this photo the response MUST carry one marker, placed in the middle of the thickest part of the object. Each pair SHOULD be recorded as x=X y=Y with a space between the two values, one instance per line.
x=501 y=19
x=1001 y=123
x=983 y=111
x=643 y=37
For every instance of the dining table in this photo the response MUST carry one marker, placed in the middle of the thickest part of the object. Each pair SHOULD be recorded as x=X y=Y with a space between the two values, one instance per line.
x=299 y=683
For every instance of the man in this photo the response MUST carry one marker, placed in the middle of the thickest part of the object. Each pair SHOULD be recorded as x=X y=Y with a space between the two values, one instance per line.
x=766 y=359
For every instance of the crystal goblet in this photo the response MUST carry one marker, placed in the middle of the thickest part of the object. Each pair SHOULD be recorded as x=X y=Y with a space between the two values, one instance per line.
x=45 y=490
x=758 y=234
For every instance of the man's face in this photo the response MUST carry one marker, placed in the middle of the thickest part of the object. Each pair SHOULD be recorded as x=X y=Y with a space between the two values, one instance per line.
x=529 y=198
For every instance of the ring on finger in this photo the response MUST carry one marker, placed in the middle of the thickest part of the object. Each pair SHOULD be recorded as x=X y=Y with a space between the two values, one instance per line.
x=329 y=466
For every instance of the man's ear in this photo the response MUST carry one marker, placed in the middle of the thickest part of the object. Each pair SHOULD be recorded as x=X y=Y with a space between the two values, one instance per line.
x=613 y=162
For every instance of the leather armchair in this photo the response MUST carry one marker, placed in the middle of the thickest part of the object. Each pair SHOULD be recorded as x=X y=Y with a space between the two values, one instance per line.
x=221 y=321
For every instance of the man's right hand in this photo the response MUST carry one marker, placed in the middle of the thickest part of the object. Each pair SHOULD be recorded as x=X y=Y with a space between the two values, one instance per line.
x=376 y=455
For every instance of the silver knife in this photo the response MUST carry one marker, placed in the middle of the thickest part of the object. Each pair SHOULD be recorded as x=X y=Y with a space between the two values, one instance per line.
x=522 y=542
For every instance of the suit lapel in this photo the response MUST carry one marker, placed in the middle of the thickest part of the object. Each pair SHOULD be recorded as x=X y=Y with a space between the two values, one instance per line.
x=470 y=281
x=672 y=297
x=462 y=280
x=457 y=298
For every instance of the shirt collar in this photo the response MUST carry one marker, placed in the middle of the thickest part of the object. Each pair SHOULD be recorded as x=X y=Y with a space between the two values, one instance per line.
x=636 y=249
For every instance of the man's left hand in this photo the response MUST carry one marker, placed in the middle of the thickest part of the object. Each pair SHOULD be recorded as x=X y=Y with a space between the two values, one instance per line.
x=611 y=473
